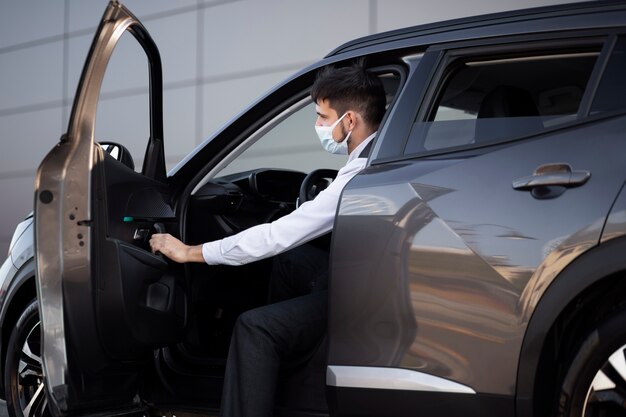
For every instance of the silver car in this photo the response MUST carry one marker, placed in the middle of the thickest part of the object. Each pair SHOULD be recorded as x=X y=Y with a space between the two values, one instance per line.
x=478 y=263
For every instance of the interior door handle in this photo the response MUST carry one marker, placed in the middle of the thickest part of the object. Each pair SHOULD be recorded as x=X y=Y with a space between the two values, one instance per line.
x=559 y=174
x=159 y=227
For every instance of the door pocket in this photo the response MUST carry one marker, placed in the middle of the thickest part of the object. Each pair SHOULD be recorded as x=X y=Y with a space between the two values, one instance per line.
x=142 y=304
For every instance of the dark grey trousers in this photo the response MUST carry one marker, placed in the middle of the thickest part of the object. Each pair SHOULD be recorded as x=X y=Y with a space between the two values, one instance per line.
x=278 y=336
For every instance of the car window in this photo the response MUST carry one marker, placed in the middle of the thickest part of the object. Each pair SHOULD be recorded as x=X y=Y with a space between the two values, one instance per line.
x=494 y=98
x=290 y=144
x=612 y=89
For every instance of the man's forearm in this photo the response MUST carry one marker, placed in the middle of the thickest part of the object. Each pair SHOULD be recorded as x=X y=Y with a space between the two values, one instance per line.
x=194 y=254
x=174 y=249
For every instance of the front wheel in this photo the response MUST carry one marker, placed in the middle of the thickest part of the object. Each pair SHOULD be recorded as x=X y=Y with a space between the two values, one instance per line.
x=595 y=381
x=23 y=378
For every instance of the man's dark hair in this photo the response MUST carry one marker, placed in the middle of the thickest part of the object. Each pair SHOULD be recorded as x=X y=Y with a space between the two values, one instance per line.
x=351 y=88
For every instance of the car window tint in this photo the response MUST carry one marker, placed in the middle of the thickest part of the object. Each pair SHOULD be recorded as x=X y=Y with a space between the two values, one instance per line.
x=612 y=89
x=492 y=99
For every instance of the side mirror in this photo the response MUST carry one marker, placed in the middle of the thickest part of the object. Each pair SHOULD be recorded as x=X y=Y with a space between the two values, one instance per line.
x=119 y=152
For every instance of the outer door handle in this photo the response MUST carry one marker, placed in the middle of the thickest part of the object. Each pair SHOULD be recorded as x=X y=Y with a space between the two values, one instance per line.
x=550 y=180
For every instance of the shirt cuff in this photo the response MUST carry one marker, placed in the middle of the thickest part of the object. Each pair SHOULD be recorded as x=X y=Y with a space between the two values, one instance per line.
x=211 y=253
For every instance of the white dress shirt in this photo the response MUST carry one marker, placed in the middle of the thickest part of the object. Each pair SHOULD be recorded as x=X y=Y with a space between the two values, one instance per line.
x=312 y=219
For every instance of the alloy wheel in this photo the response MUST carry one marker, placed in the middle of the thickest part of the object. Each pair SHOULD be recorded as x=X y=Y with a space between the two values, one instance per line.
x=606 y=396
x=31 y=390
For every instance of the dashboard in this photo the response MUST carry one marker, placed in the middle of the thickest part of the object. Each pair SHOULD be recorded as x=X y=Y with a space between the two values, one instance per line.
x=249 y=198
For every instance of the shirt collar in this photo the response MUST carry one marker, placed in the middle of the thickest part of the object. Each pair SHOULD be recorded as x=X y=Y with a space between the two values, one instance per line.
x=356 y=153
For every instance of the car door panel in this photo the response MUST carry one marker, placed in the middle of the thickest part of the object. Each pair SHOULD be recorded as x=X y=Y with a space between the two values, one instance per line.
x=137 y=291
x=468 y=256
x=105 y=301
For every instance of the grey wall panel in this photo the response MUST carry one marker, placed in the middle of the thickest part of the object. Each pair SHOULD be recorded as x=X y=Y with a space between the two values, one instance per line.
x=179 y=125
x=26 y=138
x=178 y=47
x=77 y=50
x=125 y=120
x=127 y=69
x=411 y=12
x=31 y=76
x=225 y=99
x=85 y=14
x=238 y=39
x=29 y=20
x=128 y=66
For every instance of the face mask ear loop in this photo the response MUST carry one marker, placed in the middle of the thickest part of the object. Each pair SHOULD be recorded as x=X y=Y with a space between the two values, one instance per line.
x=334 y=125
x=349 y=131
x=347 y=137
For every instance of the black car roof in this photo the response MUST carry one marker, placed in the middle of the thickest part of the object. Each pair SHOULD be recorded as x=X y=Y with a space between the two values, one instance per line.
x=482 y=25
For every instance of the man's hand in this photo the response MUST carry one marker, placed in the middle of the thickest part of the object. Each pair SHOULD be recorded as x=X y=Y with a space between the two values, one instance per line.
x=174 y=249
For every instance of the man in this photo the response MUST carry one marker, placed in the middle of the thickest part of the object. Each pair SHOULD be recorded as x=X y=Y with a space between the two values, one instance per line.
x=350 y=104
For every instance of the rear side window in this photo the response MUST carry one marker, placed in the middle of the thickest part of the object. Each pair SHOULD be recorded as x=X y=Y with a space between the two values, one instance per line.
x=490 y=99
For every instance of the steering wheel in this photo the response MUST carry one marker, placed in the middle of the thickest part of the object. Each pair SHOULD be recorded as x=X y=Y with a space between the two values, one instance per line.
x=315 y=182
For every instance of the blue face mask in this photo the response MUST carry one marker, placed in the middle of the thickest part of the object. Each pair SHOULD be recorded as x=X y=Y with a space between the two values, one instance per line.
x=325 y=133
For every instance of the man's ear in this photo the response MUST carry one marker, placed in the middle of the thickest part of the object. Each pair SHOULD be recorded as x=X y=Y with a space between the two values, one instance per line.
x=353 y=119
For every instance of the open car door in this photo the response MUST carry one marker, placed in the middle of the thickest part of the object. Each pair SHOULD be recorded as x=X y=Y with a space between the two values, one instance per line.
x=106 y=302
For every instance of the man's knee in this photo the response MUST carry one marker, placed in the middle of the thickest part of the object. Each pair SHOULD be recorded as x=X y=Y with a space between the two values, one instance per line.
x=298 y=272
x=253 y=323
x=248 y=320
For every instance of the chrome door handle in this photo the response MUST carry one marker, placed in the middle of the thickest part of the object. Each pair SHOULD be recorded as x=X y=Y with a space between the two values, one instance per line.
x=559 y=174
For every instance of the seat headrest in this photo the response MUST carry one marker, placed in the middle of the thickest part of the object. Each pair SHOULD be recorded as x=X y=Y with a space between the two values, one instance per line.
x=507 y=101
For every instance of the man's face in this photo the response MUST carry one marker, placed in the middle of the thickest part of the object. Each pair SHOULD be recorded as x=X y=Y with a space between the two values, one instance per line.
x=326 y=116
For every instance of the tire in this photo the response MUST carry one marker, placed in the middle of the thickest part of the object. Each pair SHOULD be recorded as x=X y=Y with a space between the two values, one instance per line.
x=23 y=378
x=595 y=380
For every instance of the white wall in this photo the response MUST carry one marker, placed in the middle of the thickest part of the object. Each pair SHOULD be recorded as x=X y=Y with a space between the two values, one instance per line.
x=217 y=56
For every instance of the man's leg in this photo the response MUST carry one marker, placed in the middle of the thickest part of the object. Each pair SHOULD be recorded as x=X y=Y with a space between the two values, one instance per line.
x=263 y=338
x=297 y=272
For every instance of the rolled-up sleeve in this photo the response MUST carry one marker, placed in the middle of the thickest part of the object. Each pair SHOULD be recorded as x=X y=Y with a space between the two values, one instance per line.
x=312 y=219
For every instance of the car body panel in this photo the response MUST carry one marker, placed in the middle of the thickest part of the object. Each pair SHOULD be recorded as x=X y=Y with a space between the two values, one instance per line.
x=616 y=222
x=22 y=248
x=432 y=267
x=8 y=271
x=16 y=290
x=18 y=269
x=600 y=267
